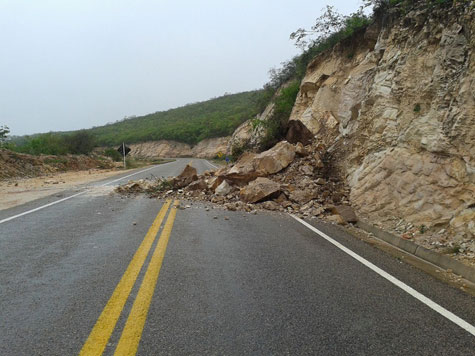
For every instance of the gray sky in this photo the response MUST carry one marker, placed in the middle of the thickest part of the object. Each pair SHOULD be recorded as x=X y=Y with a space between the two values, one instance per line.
x=68 y=64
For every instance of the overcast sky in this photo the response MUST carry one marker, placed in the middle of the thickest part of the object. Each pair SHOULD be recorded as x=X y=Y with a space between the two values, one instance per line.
x=68 y=64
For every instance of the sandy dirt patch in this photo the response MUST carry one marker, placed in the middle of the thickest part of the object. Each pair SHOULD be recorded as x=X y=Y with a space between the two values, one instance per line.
x=15 y=192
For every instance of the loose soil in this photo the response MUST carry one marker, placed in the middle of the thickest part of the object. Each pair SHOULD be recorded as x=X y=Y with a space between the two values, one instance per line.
x=17 y=191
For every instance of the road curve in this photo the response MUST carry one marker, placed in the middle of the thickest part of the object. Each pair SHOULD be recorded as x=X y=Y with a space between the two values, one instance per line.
x=208 y=281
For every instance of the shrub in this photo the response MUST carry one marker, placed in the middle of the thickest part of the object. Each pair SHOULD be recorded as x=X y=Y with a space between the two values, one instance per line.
x=80 y=142
x=237 y=151
x=276 y=125
x=113 y=153
x=49 y=143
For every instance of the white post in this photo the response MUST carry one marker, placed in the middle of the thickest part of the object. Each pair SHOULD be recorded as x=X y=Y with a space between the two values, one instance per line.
x=123 y=152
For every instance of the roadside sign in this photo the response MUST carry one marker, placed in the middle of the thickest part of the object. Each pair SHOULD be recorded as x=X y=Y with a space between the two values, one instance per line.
x=122 y=148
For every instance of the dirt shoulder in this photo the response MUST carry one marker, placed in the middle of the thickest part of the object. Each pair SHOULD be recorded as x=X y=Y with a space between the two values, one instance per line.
x=17 y=191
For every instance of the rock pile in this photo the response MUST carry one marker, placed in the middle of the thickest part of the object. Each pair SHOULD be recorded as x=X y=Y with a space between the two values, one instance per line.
x=287 y=177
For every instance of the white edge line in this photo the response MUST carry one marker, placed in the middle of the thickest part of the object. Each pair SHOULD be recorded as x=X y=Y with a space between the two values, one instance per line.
x=74 y=195
x=422 y=298
x=40 y=207
x=211 y=164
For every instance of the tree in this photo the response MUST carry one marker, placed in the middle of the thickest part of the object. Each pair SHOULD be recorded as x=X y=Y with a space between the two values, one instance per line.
x=81 y=142
x=332 y=26
x=4 y=131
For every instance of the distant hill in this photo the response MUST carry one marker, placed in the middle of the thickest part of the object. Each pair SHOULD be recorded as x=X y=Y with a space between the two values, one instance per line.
x=190 y=123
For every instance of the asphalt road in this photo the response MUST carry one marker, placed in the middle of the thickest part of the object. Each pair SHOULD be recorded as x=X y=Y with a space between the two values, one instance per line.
x=229 y=283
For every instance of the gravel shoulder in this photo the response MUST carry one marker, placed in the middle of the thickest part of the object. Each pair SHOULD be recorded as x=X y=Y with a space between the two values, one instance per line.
x=14 y=192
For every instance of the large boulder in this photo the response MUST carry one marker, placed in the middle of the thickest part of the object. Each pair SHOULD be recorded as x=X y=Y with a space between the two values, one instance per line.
x=188 y=175
x=259 y=190
x=199 y=184
x=243 y=170
x=214 y=182
x=251 y=166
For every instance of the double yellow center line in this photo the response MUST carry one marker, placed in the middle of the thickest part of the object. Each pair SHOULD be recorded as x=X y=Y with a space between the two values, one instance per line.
x=132 y=332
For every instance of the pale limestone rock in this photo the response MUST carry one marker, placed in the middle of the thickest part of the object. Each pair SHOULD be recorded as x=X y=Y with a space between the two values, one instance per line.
x=211 y=147
x=160 y=149
x=249 y=135
x=197 y=185
x=300 y=150
x=405 y=112
x=306 y=170
x=258 y=190
x=224 y=188
x=302 y=196
x=465 y=221
x=188 y=175
x=214 y=182
x=208 y=148
x=252 y=165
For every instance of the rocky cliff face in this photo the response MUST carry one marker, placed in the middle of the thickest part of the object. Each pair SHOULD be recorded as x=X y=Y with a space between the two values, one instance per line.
x=396 y=110
x=247 y=136
x=160 y=149
x=208 y=148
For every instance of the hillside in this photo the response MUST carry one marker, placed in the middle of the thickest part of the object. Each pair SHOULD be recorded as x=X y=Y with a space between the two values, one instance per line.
x=384 y=122
x=189 y=124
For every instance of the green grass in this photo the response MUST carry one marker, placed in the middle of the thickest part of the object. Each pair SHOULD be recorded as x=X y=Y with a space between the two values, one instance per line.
x=190 y=123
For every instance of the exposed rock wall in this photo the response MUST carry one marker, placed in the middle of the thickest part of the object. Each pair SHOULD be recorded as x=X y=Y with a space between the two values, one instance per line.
x=160 y=149
x=211 y=147
x=247 y=136
x=208 y=148
x=396 y=109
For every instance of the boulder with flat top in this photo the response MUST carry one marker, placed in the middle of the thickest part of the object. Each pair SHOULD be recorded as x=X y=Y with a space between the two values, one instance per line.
x=251 y=165
x=259 y=189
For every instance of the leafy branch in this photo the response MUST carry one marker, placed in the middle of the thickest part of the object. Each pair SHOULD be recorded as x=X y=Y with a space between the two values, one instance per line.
x=4 y=131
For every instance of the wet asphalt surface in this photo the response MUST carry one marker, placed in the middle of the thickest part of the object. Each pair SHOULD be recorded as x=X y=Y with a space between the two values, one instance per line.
x=231 y=283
